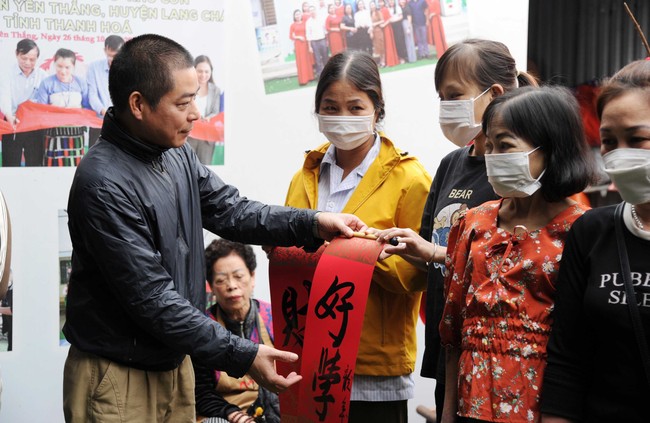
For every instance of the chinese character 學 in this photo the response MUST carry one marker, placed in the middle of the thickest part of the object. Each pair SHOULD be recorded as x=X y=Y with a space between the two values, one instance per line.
x=328 y=375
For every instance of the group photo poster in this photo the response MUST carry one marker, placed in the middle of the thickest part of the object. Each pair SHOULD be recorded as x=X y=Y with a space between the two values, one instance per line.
x=295 y=38
x=54 y=72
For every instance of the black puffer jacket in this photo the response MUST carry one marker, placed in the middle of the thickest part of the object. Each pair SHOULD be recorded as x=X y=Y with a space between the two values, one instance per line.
x=137 y=287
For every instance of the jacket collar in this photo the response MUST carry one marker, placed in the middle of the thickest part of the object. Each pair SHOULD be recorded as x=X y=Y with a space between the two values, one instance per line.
x=116 y=134
x=234 y=325
x=389 y=157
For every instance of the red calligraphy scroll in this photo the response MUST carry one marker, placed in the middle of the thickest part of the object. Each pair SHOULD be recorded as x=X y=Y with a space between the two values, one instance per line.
x=291 y=271
x=34 y=116
x=337 y=304
x=332 y=324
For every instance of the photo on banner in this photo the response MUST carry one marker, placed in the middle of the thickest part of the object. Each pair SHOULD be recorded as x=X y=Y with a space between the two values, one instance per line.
x=54 y=76
x=295 y=38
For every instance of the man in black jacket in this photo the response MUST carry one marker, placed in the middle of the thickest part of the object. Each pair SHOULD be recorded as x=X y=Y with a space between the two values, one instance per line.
x=137 y=206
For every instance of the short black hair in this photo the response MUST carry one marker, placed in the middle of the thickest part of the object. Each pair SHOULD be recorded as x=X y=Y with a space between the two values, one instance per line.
x=113 y=42
x=549 y=118
x=64 y=53
x=26 y=45
x=220 y=248
x=145 y=64
x=358 y=68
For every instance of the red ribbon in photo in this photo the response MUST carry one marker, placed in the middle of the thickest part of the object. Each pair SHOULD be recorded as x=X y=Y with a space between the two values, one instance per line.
x=34 y=116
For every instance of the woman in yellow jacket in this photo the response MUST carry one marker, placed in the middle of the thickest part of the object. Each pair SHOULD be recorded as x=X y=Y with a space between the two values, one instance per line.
x=360 y=171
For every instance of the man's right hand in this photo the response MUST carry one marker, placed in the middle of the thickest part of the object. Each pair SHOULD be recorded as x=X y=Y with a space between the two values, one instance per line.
x=331 y=225
x=263 y=369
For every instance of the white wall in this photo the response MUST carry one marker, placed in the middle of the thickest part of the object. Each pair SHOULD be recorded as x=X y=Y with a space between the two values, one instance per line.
x=265 y=140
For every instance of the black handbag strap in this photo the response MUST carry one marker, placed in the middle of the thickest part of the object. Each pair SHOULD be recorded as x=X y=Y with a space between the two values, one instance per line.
x=629 y=290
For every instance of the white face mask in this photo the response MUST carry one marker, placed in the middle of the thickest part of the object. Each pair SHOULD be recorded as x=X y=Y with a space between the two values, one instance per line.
x=346 y=132
x=457 y=120
x=629 y=169
x=509 y=174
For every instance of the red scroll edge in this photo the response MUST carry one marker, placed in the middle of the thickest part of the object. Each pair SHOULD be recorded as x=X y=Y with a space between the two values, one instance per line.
x=35 y=116
x=337 y=304
x=291 y=271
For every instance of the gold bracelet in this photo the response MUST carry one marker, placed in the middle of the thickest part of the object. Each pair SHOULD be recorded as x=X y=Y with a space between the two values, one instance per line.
x=433 y=256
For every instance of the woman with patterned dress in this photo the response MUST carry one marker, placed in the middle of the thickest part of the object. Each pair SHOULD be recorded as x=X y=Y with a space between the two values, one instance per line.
x=297 y=34
x=503 y=257
x=467 y=78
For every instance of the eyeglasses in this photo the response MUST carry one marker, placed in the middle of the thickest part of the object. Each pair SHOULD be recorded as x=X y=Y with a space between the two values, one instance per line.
x=236 y=278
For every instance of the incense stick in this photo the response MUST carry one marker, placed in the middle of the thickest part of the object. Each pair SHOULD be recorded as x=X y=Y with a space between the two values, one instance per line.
x=363 y=235
x=638 y=28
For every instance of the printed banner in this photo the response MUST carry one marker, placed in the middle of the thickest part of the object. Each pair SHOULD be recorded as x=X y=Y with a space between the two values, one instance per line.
x=326 y=330
x=295 y=38
x=291 y=271
x=59 y=53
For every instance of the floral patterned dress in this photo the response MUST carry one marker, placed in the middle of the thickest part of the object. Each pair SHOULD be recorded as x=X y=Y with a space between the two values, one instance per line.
x=499 y=294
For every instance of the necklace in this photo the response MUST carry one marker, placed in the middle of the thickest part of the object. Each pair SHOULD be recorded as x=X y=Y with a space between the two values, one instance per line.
x=637 y=221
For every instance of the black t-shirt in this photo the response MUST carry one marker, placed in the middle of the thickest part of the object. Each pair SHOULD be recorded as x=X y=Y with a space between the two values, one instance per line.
x=594 y=371
x=460 y=183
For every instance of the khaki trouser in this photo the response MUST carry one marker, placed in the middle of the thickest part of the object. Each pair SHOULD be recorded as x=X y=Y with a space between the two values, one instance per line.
x=98 y=390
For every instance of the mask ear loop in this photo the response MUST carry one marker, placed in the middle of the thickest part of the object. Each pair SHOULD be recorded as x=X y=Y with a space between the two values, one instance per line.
x=528 y=157
x=481 y=95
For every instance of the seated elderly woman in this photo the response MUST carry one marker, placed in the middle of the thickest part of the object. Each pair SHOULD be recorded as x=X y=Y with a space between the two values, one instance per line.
x=230 y=273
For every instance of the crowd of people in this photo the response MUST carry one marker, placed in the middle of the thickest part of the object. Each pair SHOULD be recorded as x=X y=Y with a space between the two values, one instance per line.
x=392 y=32
x=538 y=307
x=66 y=145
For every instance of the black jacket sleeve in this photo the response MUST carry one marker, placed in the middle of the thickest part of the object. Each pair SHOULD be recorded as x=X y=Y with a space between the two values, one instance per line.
x=237 y=218
x=209 y=403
